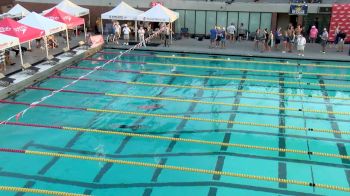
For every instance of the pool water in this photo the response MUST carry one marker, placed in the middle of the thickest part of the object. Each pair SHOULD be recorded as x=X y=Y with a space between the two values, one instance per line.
x=262 y=102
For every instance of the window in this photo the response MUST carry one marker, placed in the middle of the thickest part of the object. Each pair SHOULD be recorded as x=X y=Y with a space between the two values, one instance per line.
x=200 y=22
x=190 y=21
x=211 y=20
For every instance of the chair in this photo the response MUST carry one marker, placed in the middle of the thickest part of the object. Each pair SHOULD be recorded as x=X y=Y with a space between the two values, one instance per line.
x=184 y=32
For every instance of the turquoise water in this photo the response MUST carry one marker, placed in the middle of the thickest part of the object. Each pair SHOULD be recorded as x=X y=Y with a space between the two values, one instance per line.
x=97 y=178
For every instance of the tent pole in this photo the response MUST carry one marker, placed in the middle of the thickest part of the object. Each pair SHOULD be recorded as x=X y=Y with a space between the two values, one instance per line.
x=171 y=33
x=67 y=39
x=30 y=45
x=101 y=27
x=76 y=31
x=84 y=32
x=89 y=24
x=47 y=50
x=20 y=53
x=135 y=30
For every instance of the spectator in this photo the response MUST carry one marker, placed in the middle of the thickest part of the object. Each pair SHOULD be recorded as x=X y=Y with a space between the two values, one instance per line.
x=341 y=37
x=223 y=38
x=168 y=33
x=266 y=39
x=2 y=61
x=126 y=31
x=301 y=42
x=262 y=39
x=257 y=39
x=313 y=34
x=218 y=37
x=336 y=35
x=241 y=32
x=213 y=34
x=278 y=37
x=231 y=30
x=117 y=32
x=285 y=41
x=270 y=41
x=324 y=39
x=291 y=38
x=141 y=32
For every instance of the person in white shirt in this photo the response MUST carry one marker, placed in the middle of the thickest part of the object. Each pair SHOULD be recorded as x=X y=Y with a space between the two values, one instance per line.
x=231 y=30
x=117 y=31
x=301 y=42
x=141 y=32
x=126 y=31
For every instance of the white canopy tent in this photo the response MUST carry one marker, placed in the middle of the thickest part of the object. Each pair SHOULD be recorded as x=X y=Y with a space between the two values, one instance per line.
x=49 y=26
x=122 y=12
x=18 y=11
x=159 y=13
x=8 y=42
x=71 y=8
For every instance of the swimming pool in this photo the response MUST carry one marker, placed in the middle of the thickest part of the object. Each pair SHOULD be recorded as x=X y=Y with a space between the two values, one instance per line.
x=175 y=119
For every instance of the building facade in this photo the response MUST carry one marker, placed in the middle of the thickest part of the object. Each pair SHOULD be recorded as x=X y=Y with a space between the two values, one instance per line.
x=198 y=16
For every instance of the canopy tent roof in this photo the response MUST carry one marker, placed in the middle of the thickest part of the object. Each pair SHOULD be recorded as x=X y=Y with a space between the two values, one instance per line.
x=70 y=8
x=122 y=12
x=8 y=41
x=18 y=11
x=23 y=32
x=40 y=22
x=159 y=13
x=61 y=16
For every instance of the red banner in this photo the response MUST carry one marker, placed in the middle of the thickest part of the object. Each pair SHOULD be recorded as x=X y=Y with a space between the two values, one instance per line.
x=341 y=17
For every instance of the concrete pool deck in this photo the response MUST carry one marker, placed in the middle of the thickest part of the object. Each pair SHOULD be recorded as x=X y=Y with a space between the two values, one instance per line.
x=245 y=48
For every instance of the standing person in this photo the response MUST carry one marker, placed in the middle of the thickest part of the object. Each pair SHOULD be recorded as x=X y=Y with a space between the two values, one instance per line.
x=98 y=27
x=223 y=38
x=266 y=39
x=2 y=62
x=241 y=32
x=324 y=39
x=218 y=37
x=270 y=41
x=278 y=37
x=141 y=32
x=298 y=30
x=167 y=36
x=342 y=36
x=291 y=38
x=117 y=32
x=126 y=31
x=313 y=34
x=301 y=42
x=257 y=39
x=336 y=35
x=213 y=33
x=285 y=42
x=262 y=40
x=231 y=30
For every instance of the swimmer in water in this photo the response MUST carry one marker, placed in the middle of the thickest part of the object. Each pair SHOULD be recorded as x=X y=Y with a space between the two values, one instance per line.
x=151 y=107
x=132 y=127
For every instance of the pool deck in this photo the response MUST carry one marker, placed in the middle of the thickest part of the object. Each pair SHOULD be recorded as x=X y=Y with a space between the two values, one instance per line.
x=246 y=48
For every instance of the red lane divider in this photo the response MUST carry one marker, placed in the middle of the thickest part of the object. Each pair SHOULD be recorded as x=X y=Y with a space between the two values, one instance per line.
x=34 y=125
x=148 y=55
x=103 y=69
x=116 y=61
x=42 y=105
x=12 y=150
x=88 y=79
x=66 y=91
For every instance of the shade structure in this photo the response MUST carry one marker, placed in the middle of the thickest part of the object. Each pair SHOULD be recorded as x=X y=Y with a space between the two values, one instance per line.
x=23 y=32
x=7 y=41
x=17 y=11
x=123 y=11
x=40 y=22
x=49 y=26
x=159 y=13
x=63 y=17
x=70 y=8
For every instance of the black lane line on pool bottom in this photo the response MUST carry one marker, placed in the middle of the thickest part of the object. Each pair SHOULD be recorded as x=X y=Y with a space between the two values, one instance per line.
x=221 y=159
x=188 y=154
x=179 y=128
x=70 y=143
x=341 y=146
x=107 y=166
x=151 y=184
x=282 y=166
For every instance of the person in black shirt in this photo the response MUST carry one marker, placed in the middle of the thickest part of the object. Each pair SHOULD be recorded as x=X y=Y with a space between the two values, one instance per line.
x=341 y=40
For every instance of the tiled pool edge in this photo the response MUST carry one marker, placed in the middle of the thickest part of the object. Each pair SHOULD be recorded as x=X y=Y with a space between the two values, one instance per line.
x=42 y=75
